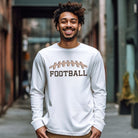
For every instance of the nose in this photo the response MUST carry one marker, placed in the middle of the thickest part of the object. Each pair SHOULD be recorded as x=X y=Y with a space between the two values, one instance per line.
x=68 y=23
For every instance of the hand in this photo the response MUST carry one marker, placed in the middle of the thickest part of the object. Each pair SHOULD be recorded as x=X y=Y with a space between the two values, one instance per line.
x=95 y=133
x=41 y=132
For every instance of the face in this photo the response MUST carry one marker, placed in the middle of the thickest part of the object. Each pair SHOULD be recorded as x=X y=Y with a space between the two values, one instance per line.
x=68 y=26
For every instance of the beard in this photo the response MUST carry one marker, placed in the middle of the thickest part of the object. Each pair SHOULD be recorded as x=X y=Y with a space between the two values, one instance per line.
x=66 y=37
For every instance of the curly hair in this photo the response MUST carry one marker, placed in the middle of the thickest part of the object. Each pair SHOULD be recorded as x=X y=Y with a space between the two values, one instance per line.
x=74 y=7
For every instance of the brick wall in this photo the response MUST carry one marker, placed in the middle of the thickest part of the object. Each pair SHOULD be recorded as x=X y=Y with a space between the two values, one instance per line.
x=6 y=88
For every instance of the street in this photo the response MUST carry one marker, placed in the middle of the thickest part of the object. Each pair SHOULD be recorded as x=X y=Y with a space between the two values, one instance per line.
x=16 y=122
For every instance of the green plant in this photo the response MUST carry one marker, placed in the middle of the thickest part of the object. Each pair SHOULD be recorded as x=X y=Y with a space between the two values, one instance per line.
x=125 y=94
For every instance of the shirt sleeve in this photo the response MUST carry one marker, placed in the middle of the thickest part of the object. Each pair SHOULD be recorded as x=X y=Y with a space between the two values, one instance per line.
x=99 y=91
x=38 y=84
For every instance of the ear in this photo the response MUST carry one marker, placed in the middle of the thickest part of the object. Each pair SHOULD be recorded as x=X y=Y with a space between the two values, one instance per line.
x=79 y=26
x=58 y=27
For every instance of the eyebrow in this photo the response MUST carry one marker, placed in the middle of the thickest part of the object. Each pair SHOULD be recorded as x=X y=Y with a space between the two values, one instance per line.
x=71 y=19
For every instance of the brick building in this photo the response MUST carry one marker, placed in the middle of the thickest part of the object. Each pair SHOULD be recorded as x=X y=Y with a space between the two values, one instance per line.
x=6 y=63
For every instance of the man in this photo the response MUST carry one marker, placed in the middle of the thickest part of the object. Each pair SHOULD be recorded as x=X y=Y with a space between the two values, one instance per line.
x=70 y=76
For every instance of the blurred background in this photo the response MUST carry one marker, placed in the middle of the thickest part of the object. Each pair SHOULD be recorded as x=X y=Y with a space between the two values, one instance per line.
x=111 y=26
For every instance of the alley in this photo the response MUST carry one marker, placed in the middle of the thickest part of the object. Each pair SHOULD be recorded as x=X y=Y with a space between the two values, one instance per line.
x=27 y=26
x=16 y=122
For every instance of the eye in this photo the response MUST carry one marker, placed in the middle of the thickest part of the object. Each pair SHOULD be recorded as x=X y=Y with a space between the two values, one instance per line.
x=63 y=21
x=73 y=21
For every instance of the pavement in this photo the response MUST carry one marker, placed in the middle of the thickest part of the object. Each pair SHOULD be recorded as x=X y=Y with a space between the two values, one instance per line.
x=118 y=126
x=16 y=122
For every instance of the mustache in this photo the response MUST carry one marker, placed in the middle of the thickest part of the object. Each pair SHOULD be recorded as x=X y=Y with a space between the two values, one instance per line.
x=64 y=29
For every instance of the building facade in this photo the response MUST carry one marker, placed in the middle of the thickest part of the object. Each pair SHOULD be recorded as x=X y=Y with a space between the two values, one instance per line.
x=6 y=66
x=122 y=46
x=113 y=30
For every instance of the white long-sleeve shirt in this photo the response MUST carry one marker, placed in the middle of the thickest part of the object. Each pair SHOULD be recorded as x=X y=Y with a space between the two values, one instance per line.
x=72 y=81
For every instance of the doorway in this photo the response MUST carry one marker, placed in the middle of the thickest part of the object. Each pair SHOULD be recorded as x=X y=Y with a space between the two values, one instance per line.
x=33 y=29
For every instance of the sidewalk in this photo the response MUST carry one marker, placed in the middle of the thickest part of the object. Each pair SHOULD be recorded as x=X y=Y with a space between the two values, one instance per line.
x=16 y=123
x=118 y=126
